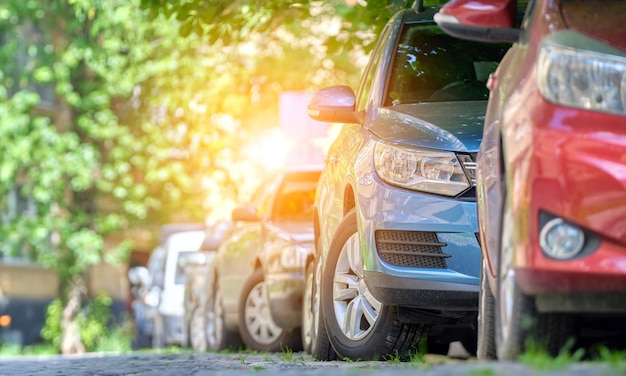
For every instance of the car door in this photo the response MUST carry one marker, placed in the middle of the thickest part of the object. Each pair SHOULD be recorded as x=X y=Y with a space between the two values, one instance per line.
x=239 y=251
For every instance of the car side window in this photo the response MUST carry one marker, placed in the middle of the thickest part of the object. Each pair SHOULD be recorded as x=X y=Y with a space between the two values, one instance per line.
x=296 y=201
x=367 y=79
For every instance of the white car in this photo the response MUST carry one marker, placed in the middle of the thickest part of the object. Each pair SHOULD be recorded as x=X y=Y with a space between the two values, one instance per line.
x=168 y=320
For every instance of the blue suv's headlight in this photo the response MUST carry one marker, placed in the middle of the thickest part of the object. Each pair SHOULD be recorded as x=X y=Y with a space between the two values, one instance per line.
x=577 y=71
x=420 y=169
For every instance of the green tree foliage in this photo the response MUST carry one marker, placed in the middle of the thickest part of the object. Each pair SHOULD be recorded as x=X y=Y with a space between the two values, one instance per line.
x=233 y=21
x=110 y=120
x=91 y=137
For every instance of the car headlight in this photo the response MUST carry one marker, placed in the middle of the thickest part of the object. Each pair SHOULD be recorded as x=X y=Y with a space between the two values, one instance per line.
x=420 y=169
x=287 y=259
x=592 y=78
x=293 y=257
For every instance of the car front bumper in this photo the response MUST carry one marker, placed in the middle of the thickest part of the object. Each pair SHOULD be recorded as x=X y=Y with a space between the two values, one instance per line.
x=419 y=250
x=285 y=292
x=572 y=168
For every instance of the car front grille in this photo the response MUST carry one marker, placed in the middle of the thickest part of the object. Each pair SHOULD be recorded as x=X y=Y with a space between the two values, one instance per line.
x=411 y=249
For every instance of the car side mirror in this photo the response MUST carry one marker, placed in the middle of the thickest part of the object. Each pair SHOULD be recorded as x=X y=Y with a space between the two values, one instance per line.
x=334 y=104
x=245 y=213
x=480 y=20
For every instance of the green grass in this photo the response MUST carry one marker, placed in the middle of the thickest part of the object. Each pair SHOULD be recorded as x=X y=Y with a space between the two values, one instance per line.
x=484 y=372
x=615 y=359
x=287 y=355
x=537 y=357
x=393 y=358
x=268 y=358
x=10 y=349
x=242 y=358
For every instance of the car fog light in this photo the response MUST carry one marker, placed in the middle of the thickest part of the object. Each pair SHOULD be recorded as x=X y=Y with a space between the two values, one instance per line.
x=561 y=240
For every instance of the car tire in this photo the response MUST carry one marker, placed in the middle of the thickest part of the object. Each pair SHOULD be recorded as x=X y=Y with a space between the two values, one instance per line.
x=320 y=348
x=307 y=307
x=218 y=336
x=517 y=320
x=258 y=330
x=486 y=346
x=358 y=325
x=197 y=333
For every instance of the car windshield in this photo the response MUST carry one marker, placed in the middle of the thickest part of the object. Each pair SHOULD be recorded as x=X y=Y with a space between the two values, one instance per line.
x=296 y=197
x=431 y=66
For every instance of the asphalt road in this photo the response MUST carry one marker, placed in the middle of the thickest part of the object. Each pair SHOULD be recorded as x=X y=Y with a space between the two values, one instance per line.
x=180 y=364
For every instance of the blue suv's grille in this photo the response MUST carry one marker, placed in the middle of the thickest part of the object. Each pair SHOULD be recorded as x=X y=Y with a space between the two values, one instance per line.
x=411 y=249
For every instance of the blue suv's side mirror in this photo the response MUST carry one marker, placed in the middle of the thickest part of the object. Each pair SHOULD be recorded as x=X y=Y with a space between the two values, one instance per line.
x=334 y=104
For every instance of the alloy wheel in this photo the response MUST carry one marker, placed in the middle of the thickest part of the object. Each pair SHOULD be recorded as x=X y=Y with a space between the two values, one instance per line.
x=307 y=308
x=258 y=318
x=197 y=331
x=356 y=309
x=215 y=322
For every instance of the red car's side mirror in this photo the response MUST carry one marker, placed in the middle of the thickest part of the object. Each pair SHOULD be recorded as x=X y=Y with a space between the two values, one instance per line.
x=480 y=20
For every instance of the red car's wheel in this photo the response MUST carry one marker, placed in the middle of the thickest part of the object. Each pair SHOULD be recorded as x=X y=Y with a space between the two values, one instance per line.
x=486 y=346
x=517 y=320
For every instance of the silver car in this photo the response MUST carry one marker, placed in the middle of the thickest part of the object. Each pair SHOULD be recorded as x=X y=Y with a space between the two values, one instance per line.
x=258 y=271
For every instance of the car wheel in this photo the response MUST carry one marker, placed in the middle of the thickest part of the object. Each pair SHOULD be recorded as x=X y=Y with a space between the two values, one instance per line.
x=517 y=320
x=512 y=305
x=258 y=330
x=486 y=346
x=197 y=333
x=307 y=307
x=359 y=326
x=320 y=344
x=218 y=336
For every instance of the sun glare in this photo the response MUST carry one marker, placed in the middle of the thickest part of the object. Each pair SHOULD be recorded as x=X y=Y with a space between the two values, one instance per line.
x=269 y=151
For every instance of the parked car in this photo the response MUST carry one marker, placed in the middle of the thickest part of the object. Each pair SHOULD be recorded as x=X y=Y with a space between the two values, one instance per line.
x=258 y=273
x=157 y=314
x=397 y=252
x=552 y=203
x=168 y=321
x=196 y=271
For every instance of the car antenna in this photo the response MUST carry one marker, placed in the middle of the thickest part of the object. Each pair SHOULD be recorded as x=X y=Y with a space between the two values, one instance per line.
x=418 y=5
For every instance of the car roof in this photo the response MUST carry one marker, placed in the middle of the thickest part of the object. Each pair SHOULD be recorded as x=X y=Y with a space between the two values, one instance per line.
x=304 y=168
x=412 y=15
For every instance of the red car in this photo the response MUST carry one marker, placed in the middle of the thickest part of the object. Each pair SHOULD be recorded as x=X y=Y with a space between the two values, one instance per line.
x=551 y=172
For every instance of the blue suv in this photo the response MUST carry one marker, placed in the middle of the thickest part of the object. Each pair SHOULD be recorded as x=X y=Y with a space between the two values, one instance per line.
x=397 y=257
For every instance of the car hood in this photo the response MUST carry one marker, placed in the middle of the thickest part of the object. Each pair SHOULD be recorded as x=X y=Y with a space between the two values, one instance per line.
x=297 y=232
x=454 y=126
x=602 y=21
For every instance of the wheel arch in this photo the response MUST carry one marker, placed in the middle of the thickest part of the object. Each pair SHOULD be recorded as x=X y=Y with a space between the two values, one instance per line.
x=349 y=200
